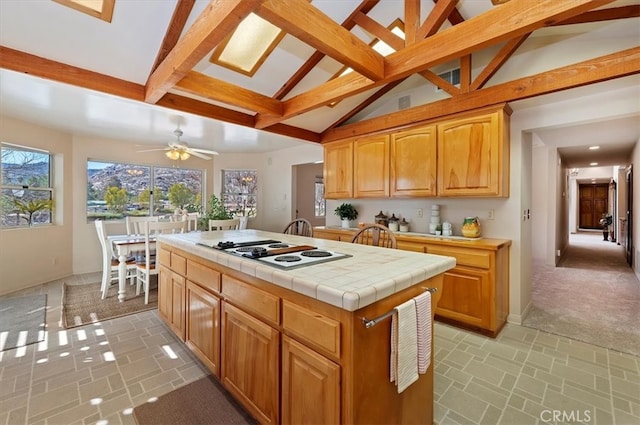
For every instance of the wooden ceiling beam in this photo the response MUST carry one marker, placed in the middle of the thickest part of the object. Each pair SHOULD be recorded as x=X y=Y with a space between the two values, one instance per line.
x=411 y=21
x=465 y=73
x=379 y=31
x=440 y=82
x=218 y=19
x=312 y=27
x=231 y=94
x=440 y=12
x=498 y=24
x=603 y=68
x=454 y=17
x=609 y=14
x=498 y=60
x=45 y=68
x=316 y=57
x=176 y=26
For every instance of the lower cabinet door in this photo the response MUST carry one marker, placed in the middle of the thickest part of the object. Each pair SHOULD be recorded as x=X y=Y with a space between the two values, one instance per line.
x=466 y=297
x=310 y=386
x=251 y=363
x=171 y=287
x=203 y=326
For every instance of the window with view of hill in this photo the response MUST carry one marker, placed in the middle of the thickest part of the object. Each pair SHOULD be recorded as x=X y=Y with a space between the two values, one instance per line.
x=240 y=191
x=27 y=187
x=115 y=190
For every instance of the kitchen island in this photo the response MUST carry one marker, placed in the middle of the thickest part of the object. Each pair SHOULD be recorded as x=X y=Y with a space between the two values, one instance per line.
x=289 y=343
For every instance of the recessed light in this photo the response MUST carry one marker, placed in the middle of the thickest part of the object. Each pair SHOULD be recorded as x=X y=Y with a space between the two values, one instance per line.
x=593 y=148
x=593 y=164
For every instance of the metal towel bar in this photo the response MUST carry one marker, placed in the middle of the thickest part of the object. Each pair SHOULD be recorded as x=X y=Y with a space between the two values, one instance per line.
x=371 y=323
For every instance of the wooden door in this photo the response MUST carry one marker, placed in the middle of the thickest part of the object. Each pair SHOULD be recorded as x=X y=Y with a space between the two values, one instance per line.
x=338 y=170
x=310 y=386
x=203 y=326
x=371 y=167
x=251 y=363
x=593 y=202
x=413 y=162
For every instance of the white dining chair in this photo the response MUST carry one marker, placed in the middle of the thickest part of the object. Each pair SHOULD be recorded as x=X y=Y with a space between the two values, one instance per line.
x=146 y=266
x=232 y=224
x=110 y=262
x=133 y=223
x=192 y=221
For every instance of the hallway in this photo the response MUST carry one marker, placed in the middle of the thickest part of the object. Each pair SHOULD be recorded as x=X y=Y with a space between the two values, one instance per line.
x=592 y=296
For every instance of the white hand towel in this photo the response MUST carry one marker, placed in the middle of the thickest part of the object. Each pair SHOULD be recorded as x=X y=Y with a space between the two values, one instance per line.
x=404 y=348
x=423 y=319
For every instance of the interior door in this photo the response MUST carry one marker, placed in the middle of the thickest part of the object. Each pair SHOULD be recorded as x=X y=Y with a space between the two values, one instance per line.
x=306 y=176
x=629 y=216
x=594 y=201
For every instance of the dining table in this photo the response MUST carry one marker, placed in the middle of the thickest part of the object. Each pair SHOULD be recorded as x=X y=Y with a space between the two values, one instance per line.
x=123 y=247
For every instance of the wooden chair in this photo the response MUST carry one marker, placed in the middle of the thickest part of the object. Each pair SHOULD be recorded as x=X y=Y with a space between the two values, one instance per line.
x=133 y=223
x=232 y=224
x=146 y=265
x=300 y=227
x=110 y=262
x=375 y=234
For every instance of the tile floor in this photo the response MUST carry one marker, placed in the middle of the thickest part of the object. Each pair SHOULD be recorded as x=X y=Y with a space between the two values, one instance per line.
x=95 y=374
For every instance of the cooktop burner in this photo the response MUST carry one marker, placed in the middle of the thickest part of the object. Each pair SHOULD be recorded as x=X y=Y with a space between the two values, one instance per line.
x=288 y=258
x=316 y=253
x=279 y=245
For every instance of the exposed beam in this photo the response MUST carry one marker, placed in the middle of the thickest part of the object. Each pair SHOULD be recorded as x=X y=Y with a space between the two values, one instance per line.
x=379 y=31
x=218 y=19
x=411 y=21
x=176 y=26
x=231 y=94
x=440 y=82
x=465 y=73
x=612 y=13
x=311 y=26
x=454 y=17
x=497 y=61
x=436 y=18
x=63 y=73
x=494 y=26
x=616 y=65
x=316 y=57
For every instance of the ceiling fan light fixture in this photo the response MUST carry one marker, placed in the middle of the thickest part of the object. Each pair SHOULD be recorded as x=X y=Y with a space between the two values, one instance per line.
x=184 y=155
x=173 y=154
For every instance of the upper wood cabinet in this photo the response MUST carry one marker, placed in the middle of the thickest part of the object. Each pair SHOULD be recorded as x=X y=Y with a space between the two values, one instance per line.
x=413 y=162
x=338 y=170
x=371 y=167
x=473 y=156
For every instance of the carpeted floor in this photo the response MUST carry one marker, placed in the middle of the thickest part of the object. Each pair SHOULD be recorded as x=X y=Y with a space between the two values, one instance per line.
x=202 y=402
x=592 y=296
x=22 y=320
x=82 y=304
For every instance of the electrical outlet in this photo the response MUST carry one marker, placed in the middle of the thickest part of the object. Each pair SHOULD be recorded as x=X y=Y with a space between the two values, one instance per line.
x=419 y=212
x=491 y=215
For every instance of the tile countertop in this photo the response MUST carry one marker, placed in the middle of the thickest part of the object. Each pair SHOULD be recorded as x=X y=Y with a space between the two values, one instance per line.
x=370 y=274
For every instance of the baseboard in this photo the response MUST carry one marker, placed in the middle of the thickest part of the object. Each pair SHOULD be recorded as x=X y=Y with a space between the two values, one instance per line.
x=517 y=319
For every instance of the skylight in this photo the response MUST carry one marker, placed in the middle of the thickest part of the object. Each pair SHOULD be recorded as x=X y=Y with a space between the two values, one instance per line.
x=249 y=45
x=101 y=9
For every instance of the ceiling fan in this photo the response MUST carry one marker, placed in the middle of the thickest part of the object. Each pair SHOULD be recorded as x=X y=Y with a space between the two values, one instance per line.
x=180 y=150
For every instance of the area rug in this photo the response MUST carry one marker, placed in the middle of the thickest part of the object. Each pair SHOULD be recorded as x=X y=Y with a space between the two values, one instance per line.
x=202 y=402
x=82 y=304
x=22 y=320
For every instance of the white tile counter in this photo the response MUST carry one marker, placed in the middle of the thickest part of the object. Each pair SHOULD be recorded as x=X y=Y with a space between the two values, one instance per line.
x=370 y=274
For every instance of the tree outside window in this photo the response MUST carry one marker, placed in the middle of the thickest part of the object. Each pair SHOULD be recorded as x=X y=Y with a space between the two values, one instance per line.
x=240 y=191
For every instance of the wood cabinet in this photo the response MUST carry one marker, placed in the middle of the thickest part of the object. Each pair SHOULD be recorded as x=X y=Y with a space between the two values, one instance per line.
x=250 y=363
x=473 y=156
x=203 y=326
x=171 y=288
x=338 y=170
x=475 y=293
x=371 y=167
x=413 y=162
x=310 y=386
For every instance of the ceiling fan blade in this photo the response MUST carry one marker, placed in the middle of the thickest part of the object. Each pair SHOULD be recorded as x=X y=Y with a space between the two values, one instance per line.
x=207 y=151
x=153 y=150
x=199 y=155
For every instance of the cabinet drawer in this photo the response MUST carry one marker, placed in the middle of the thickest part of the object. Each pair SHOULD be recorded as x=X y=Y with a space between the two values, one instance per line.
x=178 y=264
x=255 y=301
x=463 y=256
x=164 y=256
x=311 y=327
x=203 y=276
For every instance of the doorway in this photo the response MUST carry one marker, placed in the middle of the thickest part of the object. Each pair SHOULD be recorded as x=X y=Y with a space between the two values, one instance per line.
x=305 y=202
x=628 y=219
x=593 y=203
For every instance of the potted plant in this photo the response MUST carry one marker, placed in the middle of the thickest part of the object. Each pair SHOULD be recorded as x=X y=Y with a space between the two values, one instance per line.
x=605 y=222
x=215 y=211
x=31 y=207
x=347 y=213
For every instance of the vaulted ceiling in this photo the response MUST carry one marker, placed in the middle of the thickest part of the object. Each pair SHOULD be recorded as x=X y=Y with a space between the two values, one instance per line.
x=158 y=53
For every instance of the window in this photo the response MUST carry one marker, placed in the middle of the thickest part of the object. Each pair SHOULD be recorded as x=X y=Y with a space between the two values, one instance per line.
x=320 y=203
x=240 y=191
x=101 y=9
x=115 y=190
x=27 y=186
x=452 y=77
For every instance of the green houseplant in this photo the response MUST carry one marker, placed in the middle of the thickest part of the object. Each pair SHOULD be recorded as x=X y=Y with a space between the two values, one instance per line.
x=215 y=211
x=347 y=213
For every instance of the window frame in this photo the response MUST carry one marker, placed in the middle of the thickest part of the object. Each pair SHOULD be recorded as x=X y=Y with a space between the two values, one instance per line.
x=253 y=211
